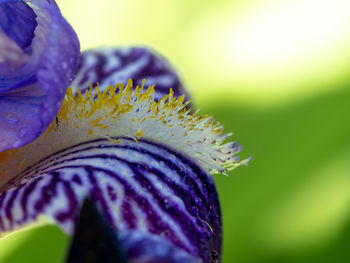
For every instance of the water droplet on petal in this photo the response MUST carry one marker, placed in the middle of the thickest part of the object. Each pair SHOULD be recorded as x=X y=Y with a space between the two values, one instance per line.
x=4 y=143
x=58 y=105
x=23 y=132
x=11 y=118
x=17 y=143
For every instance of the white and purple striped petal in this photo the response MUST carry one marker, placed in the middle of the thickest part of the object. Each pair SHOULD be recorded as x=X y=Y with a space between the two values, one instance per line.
x=108 y=66
x=39 y=53
x=143 y=187
x=142 y=247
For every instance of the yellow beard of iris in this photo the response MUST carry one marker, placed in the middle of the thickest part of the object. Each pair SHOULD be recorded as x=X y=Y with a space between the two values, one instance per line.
x=128 y=112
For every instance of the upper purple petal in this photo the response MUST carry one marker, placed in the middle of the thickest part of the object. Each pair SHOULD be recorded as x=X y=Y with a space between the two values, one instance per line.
x=36 y=67
x=17 y=20
x=139 y=186
x=108 y=66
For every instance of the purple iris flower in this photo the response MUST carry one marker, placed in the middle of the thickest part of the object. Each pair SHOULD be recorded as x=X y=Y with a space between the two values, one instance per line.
x=140 y=154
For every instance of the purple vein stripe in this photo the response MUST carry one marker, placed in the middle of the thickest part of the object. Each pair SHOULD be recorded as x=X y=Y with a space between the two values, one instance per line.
x=140 y=186
x=109 y=66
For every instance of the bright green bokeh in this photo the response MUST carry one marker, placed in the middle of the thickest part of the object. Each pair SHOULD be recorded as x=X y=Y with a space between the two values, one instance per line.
x=256 y=50
x=43 y=244
x=277 y=73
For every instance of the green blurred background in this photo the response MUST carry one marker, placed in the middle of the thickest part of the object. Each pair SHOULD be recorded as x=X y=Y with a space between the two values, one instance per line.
x=277 y=73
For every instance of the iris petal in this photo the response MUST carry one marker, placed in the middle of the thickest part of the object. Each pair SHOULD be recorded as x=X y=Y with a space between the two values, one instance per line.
x=17 y=20
x=33 y=78
x=139 y=186
x=145 y=248
x=108 y=66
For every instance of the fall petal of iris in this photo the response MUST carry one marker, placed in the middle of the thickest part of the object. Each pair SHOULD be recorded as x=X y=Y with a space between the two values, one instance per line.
x=144 y=187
